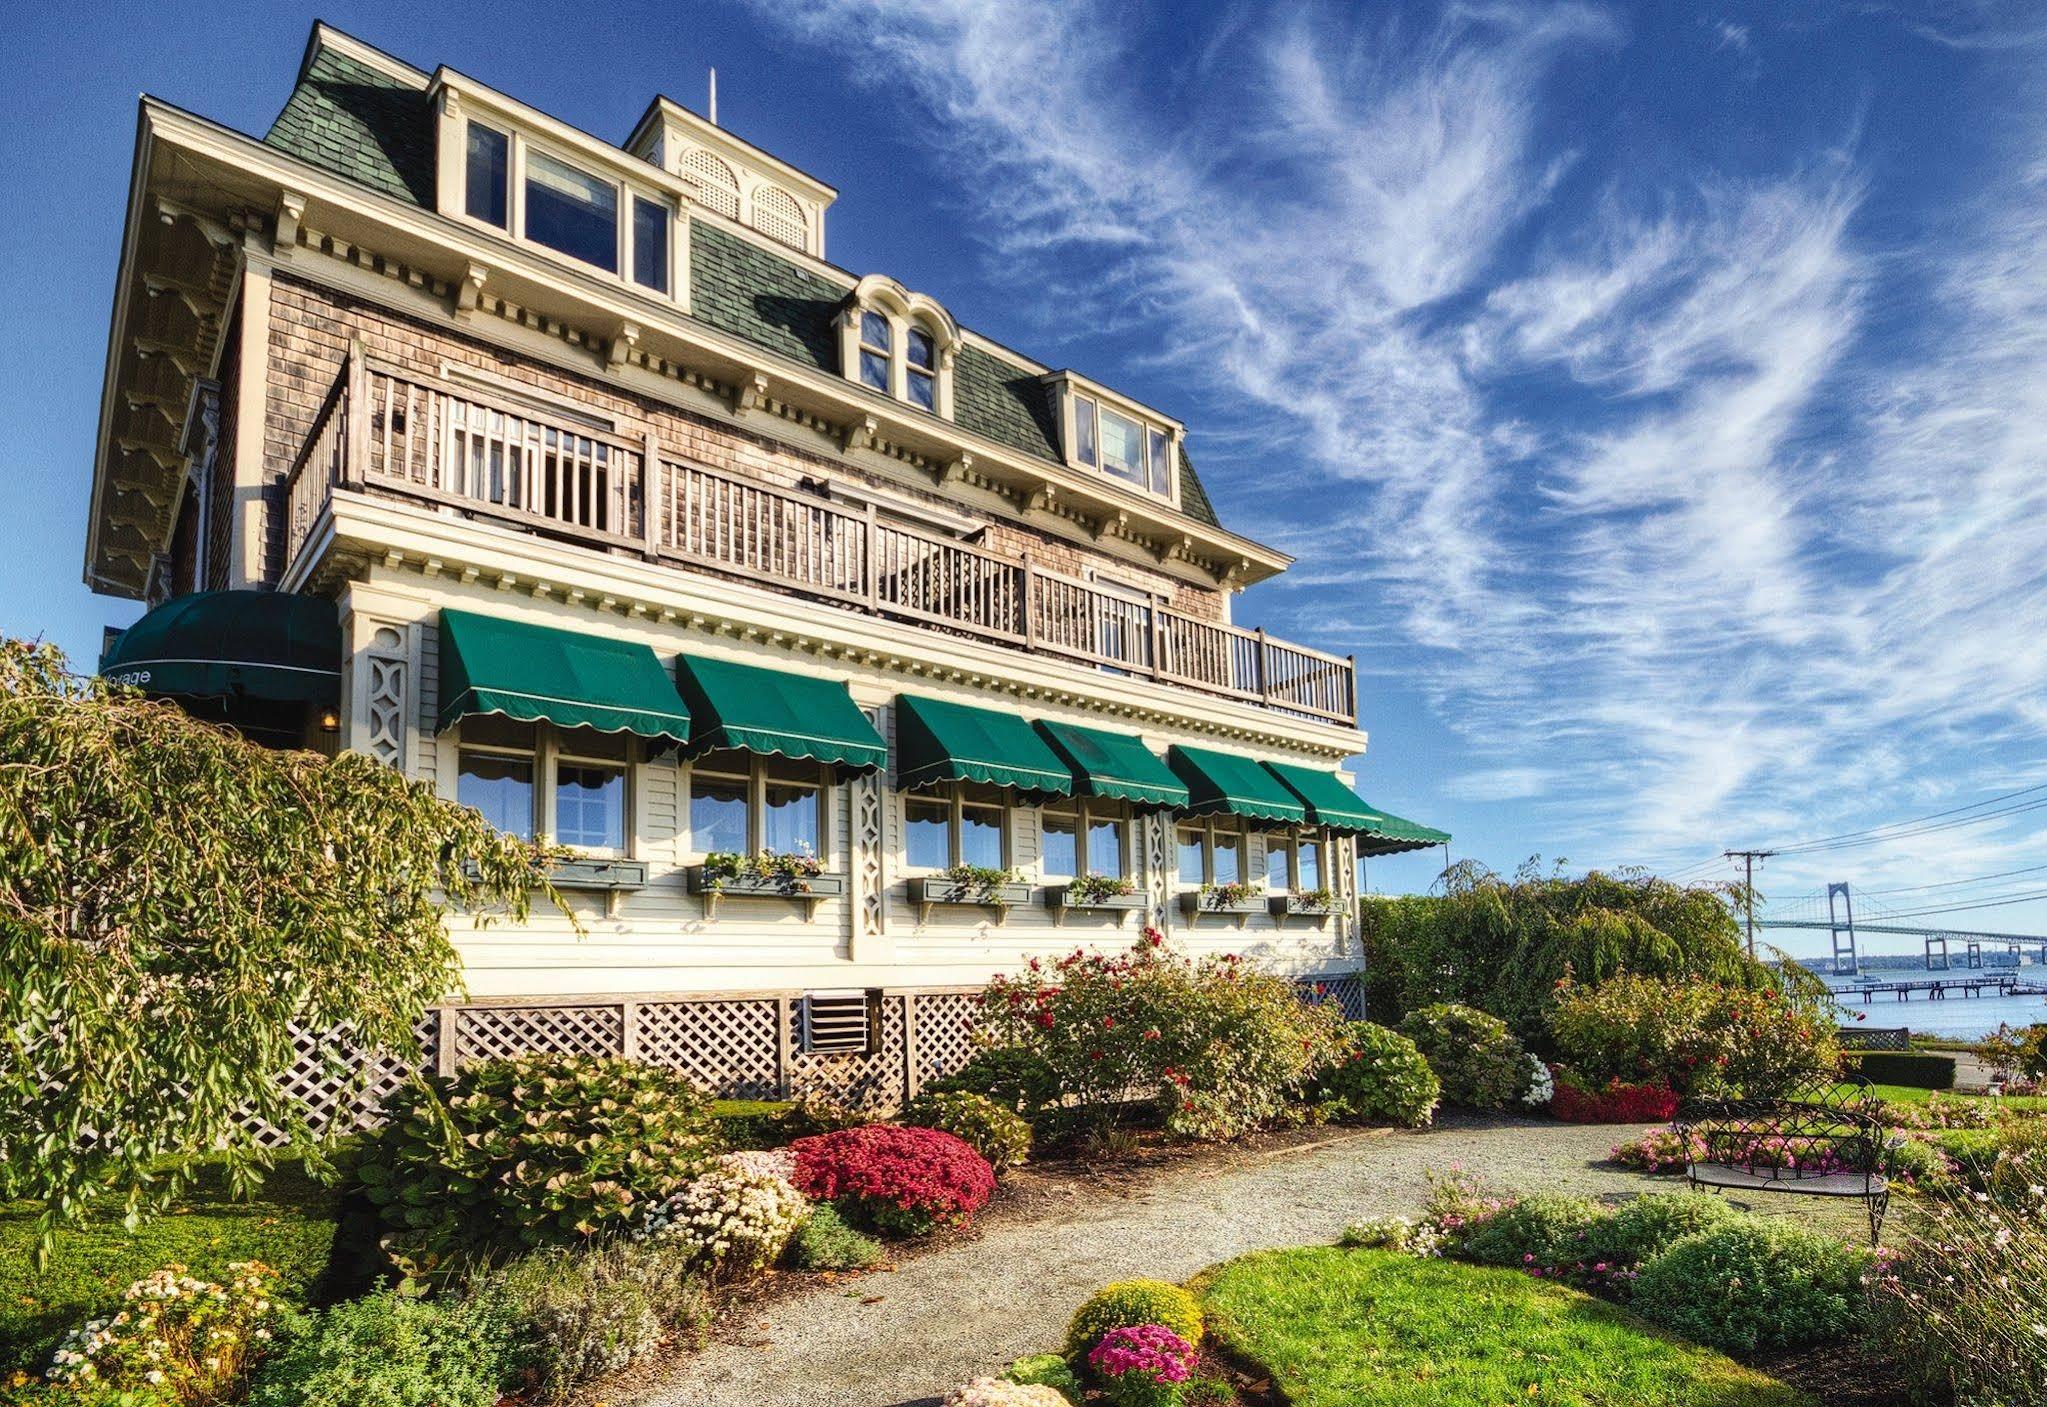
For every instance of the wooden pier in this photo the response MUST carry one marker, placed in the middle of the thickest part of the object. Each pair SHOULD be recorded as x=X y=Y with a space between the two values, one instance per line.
x=1938 y=988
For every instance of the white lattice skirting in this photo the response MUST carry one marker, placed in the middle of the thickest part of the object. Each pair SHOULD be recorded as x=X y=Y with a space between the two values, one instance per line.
x=746 y=1047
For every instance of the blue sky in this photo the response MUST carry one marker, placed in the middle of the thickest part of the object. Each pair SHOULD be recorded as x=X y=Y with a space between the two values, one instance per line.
x=1654 y=395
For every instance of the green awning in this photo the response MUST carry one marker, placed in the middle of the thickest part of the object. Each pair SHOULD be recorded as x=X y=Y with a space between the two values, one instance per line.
x=1333 y=804
x=249 y=644
x=1226 y=782
x=563 y=677
x=755 y=709
x=948 y=742
x=1116 y=765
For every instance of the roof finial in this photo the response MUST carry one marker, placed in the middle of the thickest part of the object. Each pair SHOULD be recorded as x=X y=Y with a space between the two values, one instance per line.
x=714 y=97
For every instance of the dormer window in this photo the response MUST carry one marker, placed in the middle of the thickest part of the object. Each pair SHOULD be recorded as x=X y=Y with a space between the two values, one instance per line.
x=571 y=211
x=489 y=176
x=898 y=343
x=1116 y=440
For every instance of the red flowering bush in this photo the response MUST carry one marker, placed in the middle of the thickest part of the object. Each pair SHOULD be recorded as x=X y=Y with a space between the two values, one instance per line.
x=900 y=1181
x=1576 y=1102
x=1222 y=1047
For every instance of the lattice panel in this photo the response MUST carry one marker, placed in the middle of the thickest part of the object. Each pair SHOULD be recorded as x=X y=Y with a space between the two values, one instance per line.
x=339 y=1084
x=1345 y=990
x=945 y=1029
x=726 y=1046
x=495 y=1032
x=873 y=1081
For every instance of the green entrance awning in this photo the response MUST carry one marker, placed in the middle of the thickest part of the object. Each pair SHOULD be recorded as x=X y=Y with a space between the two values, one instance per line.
x=1116 y=765
x=756 y=709
x=949 y=742
x=1226 y=782
x=249 y=644
x=564 y=677
x=1333 y=804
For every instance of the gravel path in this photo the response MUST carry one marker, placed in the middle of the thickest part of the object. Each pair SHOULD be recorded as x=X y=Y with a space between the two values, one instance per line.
x=971 y=1308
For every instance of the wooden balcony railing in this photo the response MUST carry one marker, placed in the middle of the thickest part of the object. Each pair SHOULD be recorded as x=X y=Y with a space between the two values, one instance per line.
x=496 y=458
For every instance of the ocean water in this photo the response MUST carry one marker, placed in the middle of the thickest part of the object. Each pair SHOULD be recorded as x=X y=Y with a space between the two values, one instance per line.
x=1954 y=1015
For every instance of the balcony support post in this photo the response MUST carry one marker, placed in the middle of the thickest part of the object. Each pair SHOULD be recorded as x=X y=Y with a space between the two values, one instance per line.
x=356 y=427
x=653 y=496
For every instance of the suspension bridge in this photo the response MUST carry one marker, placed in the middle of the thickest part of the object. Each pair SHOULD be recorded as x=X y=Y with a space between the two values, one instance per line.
x=1978 y=949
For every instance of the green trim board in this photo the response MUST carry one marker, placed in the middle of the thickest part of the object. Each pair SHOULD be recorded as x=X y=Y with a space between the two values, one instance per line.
x=1114 y=765
x=1333 y=804
x=772 y=711
x=1229 y=783
x=939 y=742
x=536 y=673
x=273 y=645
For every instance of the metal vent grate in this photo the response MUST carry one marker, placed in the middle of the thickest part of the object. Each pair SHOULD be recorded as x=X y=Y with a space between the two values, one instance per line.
x=838 y=1023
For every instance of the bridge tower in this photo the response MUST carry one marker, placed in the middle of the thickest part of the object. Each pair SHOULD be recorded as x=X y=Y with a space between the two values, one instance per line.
x=1842 y=920
x=1936 y=946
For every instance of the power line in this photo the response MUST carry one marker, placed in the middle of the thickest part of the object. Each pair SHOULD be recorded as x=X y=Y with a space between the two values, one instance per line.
x=1953 y=883
x=1922 y=825
x=2029 y=898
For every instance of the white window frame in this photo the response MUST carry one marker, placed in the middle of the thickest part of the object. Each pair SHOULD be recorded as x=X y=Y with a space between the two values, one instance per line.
x=1079 y=396
x=1294 y=841
x=1086 y=810
x=954 y=795
x=758 y=779
x=1208 y=826
x=546 y=755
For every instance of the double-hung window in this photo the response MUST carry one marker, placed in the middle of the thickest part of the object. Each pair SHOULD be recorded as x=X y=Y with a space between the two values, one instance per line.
x=956 y=826
x=531 y=780
x=1211 y=852
x=877 y=351
x=742 y=803
x=1293 y=862
x=921 y=368
x=1086 y=837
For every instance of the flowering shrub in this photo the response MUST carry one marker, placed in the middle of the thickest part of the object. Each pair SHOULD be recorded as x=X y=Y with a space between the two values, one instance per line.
x=1950 y=1306
x=1394 y=1233
x=1478 y=1061
x=994 y=1392
x=733 y=1219
x=1694 y=1037
x=1754 y=1284
x=532 y=1151
x=174 y=1339
x=1142 y=1365
x=1544 y=1234
x=1130 y=1302
x=1048 y=1370
x=1019 y=1080
x=389 y=1349
x=1576 y=1103
x=997 y=1134
x=901 y=1181
x=1379 y=1077
x=577 y=1315
x=1540 y=1086
x=1659 y=1151
x=1457 y=1203
x=1220 y=1046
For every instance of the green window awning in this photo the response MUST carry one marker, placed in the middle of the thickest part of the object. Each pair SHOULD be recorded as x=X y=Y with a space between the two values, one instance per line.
x=249 y=644
x=1333 y=804
x=536 y=673
x=948 y=742
x=755 y=709
x=1116 y=765
x=1238 y=786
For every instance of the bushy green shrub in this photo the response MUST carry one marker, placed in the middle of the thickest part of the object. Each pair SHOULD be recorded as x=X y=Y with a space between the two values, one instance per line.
x=1695 y=1037
x=1915 y=1069
x=1379 y=1077
x=1045 y=1370
x=392 y=1350
x=1000 y=1136
x=538 y=1150
x=1017 y=1079
x=826 y=1242
x=1639 y=1230
x=577 y=1315
x=1219 y=1046
x=1755 y=1284
x=753 y=1123
x=1546 y=1231
x=1476 y=1058
x=1129 y=1302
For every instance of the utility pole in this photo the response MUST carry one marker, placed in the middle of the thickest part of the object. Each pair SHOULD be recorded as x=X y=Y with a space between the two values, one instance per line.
x=1748 y=860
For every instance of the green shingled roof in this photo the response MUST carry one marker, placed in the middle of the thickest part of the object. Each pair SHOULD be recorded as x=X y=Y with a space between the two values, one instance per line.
x=348 y=118
x=369 y=127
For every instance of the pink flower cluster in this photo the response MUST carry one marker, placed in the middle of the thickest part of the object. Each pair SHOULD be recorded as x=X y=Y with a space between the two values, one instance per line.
x=1150 y=1351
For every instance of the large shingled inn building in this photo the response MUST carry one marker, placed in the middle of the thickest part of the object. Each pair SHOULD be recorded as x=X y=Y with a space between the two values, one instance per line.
x=854 y=655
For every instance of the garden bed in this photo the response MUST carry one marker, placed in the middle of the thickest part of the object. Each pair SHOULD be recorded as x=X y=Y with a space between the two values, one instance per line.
x=1340 y=1328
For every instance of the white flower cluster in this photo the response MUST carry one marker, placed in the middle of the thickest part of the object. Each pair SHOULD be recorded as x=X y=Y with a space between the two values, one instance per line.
x=1395 y=1233
x=993 y=1392
x=169 y=1322
x=738 y=1217
x=765 y=1162
x=1541 y=1086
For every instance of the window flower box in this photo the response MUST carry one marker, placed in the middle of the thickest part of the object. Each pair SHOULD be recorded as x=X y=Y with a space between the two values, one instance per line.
x=1319 y=905
x=588 y=872
x=965 y=886
x=1097 y=900
x=1234 y=901
x=765 y=876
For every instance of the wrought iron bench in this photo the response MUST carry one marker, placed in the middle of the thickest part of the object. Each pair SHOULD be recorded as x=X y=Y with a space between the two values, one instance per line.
x=1817 y=1147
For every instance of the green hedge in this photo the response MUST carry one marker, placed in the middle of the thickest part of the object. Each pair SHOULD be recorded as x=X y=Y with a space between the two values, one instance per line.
x=1917 y=1069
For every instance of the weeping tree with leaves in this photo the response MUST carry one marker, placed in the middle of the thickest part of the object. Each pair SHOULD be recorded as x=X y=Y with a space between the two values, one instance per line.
x=176 y=903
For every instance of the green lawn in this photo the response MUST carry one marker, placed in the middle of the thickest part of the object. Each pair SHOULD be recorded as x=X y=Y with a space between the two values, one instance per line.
x=1912 y=1094
x=1339 y=1328
x=289 y=1225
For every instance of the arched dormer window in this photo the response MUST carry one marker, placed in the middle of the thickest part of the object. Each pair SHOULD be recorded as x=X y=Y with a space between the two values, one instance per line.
x=777 y=215
x=899 y=343
x=715 y=183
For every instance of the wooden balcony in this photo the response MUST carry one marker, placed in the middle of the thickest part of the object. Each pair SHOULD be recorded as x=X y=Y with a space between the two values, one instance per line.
x=387 y=431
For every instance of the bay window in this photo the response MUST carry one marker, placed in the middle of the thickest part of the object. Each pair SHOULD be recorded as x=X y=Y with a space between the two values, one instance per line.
x=956 y=826
x=742 y=803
